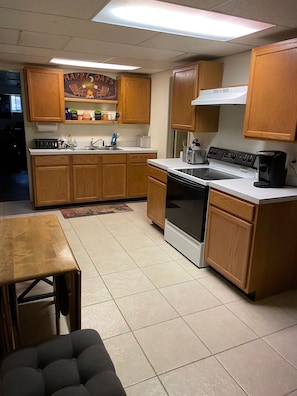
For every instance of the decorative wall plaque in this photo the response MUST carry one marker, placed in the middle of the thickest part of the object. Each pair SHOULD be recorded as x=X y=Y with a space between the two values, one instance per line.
x=89 y=86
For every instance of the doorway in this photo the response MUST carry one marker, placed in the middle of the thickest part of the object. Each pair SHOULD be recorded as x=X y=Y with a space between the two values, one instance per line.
x=14 y=185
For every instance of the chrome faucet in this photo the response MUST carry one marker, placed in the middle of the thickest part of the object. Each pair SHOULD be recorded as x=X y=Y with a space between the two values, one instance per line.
x=92 y=143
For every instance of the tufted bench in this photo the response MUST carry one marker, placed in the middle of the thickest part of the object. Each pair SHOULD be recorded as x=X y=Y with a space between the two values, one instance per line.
x=76 y=364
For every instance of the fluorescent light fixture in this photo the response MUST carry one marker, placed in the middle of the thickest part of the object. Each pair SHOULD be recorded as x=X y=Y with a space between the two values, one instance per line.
x=93 y=65
x=175 y=19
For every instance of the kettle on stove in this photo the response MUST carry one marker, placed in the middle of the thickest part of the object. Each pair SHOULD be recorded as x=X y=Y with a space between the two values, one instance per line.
x=272 y=169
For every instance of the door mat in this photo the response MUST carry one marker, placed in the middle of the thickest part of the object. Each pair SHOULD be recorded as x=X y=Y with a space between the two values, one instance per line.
x=79 y=211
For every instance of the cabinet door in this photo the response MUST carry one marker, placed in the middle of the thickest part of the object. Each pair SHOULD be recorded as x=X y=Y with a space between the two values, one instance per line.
x=156 y=201
x=134 y=96
x=137 y=174
x=227 y=246
x=185 y=89
x=114 y=176
x=271 y=108
x=86 y=176
x=52 y=185
x=45 y=94
x=187 y=82
x=137 y=180
x=114 y=181
x=86 y=179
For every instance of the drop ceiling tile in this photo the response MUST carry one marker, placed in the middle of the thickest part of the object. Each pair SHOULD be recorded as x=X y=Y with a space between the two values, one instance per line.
x=102 y=47
x=44 y=40
x=278 y=12
x=272 y=35
x=8 y=36
x=22 y=59
x=194 y=45
x=204 y=5
x=58 y=7
x=51 y=24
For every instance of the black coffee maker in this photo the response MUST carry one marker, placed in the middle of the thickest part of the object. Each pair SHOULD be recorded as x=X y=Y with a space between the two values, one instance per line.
x=272 y=169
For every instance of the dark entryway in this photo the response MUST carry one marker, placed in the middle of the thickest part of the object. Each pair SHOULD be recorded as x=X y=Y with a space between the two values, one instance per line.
x=13 y=164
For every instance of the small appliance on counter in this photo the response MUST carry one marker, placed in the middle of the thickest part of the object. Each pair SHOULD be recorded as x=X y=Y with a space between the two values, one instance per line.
x=46 y=143
x=272 y=169
x=193 y=154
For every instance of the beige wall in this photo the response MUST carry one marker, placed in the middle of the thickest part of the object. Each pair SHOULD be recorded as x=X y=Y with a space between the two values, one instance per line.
x=159 y=127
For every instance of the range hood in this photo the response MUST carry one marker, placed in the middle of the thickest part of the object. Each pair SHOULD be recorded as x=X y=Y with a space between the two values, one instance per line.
x=221 y=96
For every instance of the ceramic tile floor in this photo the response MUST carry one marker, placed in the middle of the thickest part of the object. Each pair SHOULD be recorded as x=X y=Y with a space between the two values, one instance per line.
x=171 y=328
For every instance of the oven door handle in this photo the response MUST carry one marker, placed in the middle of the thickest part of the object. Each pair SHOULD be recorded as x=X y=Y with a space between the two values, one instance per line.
x=186 y=182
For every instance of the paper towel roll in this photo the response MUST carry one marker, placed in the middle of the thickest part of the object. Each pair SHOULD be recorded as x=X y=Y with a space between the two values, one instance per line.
x=47 y=127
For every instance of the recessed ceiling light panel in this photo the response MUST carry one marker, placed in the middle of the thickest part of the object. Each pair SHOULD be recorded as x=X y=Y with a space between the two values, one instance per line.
x=175 y=19
x=92 y=65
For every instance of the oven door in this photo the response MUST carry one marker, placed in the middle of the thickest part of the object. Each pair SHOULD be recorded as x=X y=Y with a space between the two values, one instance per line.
x=186 y=205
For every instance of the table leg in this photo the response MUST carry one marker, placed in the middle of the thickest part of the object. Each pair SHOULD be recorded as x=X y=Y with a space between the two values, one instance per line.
x=75 y=300
x=10 y=315
x=7 y=340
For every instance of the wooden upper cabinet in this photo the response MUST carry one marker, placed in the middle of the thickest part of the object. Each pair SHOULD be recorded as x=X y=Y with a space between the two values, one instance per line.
x=45 y=89
x=271 y=108
x=134 y=99
x=187 y=82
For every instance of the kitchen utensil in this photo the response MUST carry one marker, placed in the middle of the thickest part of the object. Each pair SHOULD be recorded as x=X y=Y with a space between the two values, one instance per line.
x=196 y=156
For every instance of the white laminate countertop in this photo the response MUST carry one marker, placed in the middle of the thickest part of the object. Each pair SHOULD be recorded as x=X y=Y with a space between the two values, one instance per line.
x=241 y=188
x=245 y=189
x=125 y=150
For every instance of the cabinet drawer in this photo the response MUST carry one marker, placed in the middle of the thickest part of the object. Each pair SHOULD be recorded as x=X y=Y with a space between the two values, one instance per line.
x=114 y=158
x=48 y=160
x=157 y=173
x=140 y=158
x=85 y=159
x=232 y=205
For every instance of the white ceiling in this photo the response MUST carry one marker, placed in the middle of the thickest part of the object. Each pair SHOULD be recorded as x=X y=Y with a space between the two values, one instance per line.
x=32 y=32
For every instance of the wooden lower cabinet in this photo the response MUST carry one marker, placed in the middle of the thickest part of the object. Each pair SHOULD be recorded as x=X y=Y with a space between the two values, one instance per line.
x=229 y=255
x=51 y=175
x=156 y=195
x=79 y=178
x=86 y=174
x=114 y=172
x=137 y=174
x=251 y=245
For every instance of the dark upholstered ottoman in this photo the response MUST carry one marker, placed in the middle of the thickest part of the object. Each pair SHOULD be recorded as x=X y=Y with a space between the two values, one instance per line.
x=75 y=364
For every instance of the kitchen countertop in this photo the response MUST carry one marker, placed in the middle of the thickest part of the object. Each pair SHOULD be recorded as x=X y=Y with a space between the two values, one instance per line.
x=241 y=188
x=244 y=188
x=125 y=150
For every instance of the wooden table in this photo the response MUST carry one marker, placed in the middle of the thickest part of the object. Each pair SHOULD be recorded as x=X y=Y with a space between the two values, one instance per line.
x=33 y=248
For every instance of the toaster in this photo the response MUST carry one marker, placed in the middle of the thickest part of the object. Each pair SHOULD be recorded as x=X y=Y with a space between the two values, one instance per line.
x=196 y=156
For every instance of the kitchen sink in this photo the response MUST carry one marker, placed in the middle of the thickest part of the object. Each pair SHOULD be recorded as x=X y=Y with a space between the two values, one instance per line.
x=97 y=148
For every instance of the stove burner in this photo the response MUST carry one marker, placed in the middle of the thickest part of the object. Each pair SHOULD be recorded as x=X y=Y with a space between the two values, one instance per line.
x=208 y=174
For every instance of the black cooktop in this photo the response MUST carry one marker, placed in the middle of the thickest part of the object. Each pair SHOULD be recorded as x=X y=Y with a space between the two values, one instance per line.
x=208 y=174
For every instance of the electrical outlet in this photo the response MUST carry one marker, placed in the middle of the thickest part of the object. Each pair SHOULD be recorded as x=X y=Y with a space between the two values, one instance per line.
x=292 y=172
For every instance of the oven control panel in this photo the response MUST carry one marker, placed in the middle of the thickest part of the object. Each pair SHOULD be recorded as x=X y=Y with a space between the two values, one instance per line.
x=232 y=156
